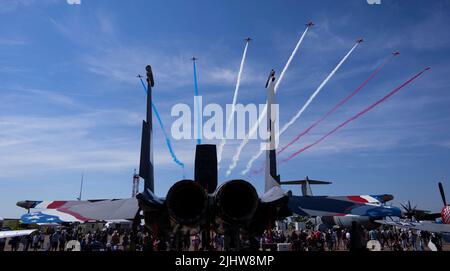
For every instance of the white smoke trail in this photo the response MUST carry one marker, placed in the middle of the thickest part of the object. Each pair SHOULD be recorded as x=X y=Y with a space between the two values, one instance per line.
x=252 y=160
x=262 y=115
x=233 y=105
x=305 y=106
x=294 y=52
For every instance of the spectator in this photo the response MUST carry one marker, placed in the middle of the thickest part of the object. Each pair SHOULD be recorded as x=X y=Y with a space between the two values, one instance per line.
x=62 y=240
x=2 y=244
x=115 y=240
x=36 y=238
x=356 y=237
x=125 y=242
x=196 y=242
x=14 y=243
x=54 y=239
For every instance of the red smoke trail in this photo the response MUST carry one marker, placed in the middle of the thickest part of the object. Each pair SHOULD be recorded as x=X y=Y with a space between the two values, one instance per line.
x=307 y=130
x=339 y=104
x=356 y=116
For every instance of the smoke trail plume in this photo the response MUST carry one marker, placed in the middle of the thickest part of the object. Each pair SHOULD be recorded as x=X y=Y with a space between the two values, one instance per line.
x=346 y=99
x=161 y=125
x=356 y=116
x=233 y=105
x=291 y=57
x=199 y=117
x=262 y=115
x=305 y=106
x=313 y=96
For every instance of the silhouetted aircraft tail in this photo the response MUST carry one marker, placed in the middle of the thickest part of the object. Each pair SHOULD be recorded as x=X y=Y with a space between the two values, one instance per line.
x=205 y=172
x=272 y=179
x=305 y=185
x=146 y=170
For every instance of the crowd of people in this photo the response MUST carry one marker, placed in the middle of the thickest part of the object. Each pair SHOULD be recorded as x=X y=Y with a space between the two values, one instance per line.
x=354 y=238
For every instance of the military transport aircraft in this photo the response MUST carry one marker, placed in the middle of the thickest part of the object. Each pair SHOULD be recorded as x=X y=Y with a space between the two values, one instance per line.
x=340 y=210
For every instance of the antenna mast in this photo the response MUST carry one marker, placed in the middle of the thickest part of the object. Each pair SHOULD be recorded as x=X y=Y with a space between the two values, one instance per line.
x=135 y=190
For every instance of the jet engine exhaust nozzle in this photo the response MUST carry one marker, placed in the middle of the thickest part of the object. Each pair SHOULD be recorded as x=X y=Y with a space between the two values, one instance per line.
x=187 y=202
x=236 y=201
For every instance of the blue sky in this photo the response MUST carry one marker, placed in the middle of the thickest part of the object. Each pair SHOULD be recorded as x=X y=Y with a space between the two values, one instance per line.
x=70 y=101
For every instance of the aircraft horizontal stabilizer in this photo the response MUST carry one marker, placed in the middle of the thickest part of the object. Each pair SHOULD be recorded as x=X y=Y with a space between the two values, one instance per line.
x=83 y=211
x=298 y=182
x=305 y=185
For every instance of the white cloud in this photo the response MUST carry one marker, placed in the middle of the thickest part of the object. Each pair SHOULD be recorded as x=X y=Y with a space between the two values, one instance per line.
x=74 y=2
x=13 y=42
x=88 y=139
x=11 y=5
x=78 y=141
x=172 y=70
x=14 y=5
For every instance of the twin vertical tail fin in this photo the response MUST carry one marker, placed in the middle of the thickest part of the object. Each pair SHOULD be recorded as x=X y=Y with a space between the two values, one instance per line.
x=146 y=170
x=272 y=179
x=146 y=163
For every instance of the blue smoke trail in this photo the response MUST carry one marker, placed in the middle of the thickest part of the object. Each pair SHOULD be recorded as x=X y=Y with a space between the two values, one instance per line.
x=199 y=134
x=168 y=143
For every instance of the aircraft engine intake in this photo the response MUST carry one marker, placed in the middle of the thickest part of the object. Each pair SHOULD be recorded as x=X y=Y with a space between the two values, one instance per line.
x=187 y=202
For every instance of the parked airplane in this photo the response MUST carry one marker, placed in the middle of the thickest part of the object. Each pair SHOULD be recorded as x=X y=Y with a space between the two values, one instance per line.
x=199 y=205
x=340 y=210
x=10 y=233
x=441 y=225
x=411 y=212
x=190 y=205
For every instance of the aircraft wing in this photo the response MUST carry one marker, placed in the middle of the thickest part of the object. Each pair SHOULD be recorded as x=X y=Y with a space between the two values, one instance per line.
x=275 y=194
x=10 y=234
x=431 y=227
x=40 y=204
x=82 y=211
x=340 y=206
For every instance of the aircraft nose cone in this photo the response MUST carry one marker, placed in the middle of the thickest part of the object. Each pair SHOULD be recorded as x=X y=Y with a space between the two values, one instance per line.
x=26 y=204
